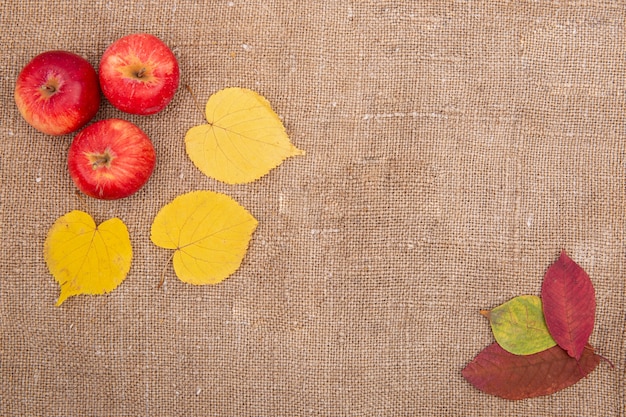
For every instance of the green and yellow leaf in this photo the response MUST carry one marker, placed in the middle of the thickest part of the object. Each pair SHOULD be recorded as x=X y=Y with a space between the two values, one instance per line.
x=519 y=325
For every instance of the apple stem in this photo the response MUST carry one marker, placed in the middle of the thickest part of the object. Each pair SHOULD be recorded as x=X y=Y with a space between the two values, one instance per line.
x=50 y=89
x=141 y=73
x=101 y=160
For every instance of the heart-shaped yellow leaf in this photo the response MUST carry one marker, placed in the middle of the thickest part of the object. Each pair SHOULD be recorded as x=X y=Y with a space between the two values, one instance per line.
x=243 y=140
x=85 y=258
x=209 y=233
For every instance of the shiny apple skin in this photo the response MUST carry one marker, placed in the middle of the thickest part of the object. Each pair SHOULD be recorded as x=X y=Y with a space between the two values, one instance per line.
x=57 y=92
x=111 y=159
x=139 y=74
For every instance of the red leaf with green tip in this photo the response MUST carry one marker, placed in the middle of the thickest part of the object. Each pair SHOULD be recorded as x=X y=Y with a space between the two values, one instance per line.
x=569 y=305
x=514 y=377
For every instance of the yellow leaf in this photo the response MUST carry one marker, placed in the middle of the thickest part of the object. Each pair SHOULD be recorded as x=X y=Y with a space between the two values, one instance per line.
x=243 y=140
x=85 y=258
x=209 y=233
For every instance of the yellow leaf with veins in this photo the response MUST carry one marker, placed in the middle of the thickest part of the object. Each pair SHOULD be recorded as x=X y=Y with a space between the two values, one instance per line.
x=243 y=139
x=209 y=233
x=85 y=258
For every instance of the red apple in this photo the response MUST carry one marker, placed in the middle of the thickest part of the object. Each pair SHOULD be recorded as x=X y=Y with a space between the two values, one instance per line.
x=139 y=74
x=57 y=92
x=111 y=159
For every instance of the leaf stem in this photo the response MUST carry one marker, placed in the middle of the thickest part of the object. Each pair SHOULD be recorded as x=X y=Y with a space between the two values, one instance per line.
x=195 y=100
x=83 y=203
x=163 y=270
x=607 y=360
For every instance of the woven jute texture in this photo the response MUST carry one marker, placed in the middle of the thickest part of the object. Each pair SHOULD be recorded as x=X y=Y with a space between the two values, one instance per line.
x=453 y=149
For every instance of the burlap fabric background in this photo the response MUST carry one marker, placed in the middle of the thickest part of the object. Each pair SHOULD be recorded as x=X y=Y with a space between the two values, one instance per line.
x=453 y=149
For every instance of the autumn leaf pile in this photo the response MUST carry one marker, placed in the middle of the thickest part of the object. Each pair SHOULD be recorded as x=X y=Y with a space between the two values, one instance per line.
x=209 y=232
x=541 y=343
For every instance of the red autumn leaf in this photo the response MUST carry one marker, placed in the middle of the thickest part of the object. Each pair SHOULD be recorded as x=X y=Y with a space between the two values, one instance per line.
x=514 y=377
x=569 y=305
